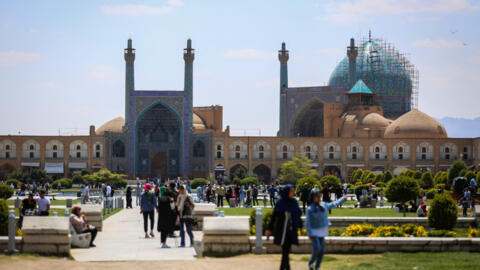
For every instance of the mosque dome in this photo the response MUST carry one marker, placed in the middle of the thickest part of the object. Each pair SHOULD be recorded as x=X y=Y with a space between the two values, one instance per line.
x=374 y=120
x=198 y=122
x=114 y=125
x=415 y=124
x=386 y=72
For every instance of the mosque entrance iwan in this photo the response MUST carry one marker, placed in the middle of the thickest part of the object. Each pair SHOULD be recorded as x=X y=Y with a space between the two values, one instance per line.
x=159 y=164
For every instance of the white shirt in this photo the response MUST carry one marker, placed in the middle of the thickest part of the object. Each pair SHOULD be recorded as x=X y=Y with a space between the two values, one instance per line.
x=42 y=203
x=109 y=191
x=85 y=191
x=320 y=232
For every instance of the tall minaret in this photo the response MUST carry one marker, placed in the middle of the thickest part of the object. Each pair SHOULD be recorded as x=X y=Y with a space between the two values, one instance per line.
x=129 y=78
x=189 y=56
x=352 y=53
x=283 y=57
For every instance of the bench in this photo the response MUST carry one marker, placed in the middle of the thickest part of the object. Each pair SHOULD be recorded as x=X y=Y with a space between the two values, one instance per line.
x=79 y=240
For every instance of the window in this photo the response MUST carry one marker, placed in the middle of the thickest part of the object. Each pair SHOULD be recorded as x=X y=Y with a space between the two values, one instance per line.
x=54 y=155
x=330 y=156
x=219 y=147
x=465 y=149
x=219 y=154
x=354 y=156
x=400 y=156
x=285 y=155
x=465 y=156
x=118 y=149
x=54 y=147
x=309 y=156
x=447 y=156
x=377 y=156
x=7 y=147
x=447 y=150
x=424 y=150
x=354 y=149
x=237 y=148
x=424 y=156
x=377 y=149
x=260 y=155
x=32 y=147
x=400 y=149
x=285 y=148
x=79 y=154
x=260 y=148
x=97 y=154
x=331 y=149
x=7 y=155
x=237 y=155
x=308 y=149
x=97 y=147
x=31 y=155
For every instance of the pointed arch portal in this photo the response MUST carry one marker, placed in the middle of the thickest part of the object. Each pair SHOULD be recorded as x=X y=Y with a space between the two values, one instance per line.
x=309 y=122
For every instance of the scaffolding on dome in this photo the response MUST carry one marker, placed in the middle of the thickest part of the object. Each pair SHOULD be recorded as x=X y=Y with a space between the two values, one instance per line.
x=386 y=71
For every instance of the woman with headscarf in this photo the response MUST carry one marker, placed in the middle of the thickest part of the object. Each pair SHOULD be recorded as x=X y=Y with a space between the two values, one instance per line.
x=285 y=222
x=185 y=207
x=166 y=215
x=148 y=203
x=129 y=197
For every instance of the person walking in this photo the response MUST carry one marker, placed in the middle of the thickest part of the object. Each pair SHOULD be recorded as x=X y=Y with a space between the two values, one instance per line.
x=185 y=210
x=138 y=193
x=285 y=222
x=255 y=195
x=129 y=197
x=326 y=195
x=305 y=196
x=86 y=194
x=220 y=195
x=148 y=203
x=166 y=215
x=317 y=227
x=242 y=196
x=272 y=191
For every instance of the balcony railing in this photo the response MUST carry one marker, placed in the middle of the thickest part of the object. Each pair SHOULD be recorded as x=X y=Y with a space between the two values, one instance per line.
x=78 y=158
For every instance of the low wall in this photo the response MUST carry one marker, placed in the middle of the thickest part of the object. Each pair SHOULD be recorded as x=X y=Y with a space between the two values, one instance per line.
x=224 y=236
x=379 y=244
x=201 y=211
x=4 y=243
x=462 y=222
x=46 y=235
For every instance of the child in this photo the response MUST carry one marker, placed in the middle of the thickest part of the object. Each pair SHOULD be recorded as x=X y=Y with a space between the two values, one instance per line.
x=317 y=226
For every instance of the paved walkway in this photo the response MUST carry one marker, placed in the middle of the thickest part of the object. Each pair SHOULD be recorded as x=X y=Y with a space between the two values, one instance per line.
x=123 y=239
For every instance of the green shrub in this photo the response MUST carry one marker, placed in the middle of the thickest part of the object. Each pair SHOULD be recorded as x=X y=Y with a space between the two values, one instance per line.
x=198 y=182
x=380 y=184
x=402 y=189
x=441 y=233
x=331 y=180
x=443 y=212
x=357 y=175
x=440 y=178
x=3 y=217
x=417 y=175
x=379 y=177
x=65 y=182
x=310 y=180
x=78 y=179
x=334 y=232
x=387 y=176
x=119 y=184
x=249 y=181
x=469 y=175
x=455 y=169
x=266 y=218
x=368 y=176
x=430 y=193
x=5 y=192
x=15 y=183
x=427 y=179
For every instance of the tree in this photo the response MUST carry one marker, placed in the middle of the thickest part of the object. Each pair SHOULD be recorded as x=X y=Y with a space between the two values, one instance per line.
x=402 y=189
x=427 y=179
x=379 y=177
x=239 y=173
x=387 y=176
x=417 y=175
x=440 y=178
x=455 y=169
x=357 y=174
x=443 y=212
x=332 y=181
x=311 y=182
x=77 y=179
x=249 y=181
x=368 y=176
x=299 y=167
x=462 y=173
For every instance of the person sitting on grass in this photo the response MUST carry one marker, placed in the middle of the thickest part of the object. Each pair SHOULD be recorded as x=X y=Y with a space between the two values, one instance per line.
x=80 y=225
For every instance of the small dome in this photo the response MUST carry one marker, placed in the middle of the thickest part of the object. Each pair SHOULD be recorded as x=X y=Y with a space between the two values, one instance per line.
x=114 y=125
x=198 y=122
x=374 y=120
x=415 y=124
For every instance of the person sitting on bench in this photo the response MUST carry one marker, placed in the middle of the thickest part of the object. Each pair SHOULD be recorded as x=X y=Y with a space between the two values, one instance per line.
x=79 y=223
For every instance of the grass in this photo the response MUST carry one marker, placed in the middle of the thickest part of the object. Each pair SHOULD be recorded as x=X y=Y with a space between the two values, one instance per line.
x=112 y=213
x=403 y=261
x=52 y=202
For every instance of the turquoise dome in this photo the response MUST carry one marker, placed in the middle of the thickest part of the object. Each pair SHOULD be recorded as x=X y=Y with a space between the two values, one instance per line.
x=385 y=71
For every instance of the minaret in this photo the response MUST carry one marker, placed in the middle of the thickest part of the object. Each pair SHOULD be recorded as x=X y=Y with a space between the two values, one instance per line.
x=352 y=53
x=129 y=54
x=283 y=57
x=189 y=56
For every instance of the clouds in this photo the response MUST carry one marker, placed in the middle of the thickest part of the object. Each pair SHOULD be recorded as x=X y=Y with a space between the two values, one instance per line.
x=363 y=10
x=141 y=10
x=15 y=58
x=250 y=54
x=439 y=43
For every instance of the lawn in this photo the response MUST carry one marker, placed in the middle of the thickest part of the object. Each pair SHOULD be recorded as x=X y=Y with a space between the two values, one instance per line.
x=52 y=202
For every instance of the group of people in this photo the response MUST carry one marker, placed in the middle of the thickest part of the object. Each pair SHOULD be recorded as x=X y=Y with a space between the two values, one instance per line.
x=468 y=198
x=239 y=195
x=286 y=220
x=34 y=206
x=175 y=210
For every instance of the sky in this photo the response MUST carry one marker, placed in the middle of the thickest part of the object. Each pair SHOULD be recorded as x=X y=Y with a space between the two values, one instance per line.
x=62 y=66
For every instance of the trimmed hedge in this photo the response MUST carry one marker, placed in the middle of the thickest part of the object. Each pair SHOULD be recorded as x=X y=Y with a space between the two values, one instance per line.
x=65 y=182
x=3 y=217
x=198 y=182
x=15 y=182
x=5 y=192
x=443 y=212
x=251 y=180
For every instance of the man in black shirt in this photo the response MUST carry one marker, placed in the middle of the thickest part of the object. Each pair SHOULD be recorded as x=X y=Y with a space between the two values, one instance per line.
x=27 y=208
